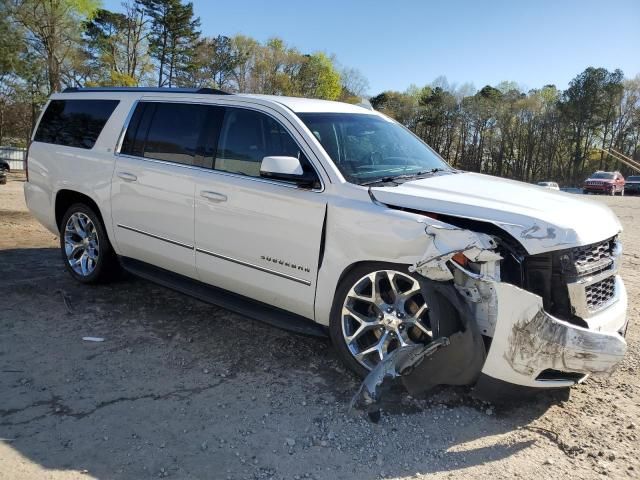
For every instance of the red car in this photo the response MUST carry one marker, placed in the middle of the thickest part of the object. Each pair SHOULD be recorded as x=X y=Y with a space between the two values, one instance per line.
x=608 y=183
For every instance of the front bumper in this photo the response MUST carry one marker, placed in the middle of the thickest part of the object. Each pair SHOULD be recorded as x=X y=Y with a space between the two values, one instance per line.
x=597 y=188
x=528 y=341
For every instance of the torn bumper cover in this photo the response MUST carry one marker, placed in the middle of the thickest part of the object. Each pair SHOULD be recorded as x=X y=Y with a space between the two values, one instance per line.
x=532 y=348
x=528 y=347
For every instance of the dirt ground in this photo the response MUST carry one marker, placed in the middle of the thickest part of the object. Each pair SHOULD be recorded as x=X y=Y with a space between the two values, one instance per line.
x=182 y=389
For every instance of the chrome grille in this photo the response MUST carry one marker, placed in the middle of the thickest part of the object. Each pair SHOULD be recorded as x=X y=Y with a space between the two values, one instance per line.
x=600 y=293
x=597 y=256
x=592 y=280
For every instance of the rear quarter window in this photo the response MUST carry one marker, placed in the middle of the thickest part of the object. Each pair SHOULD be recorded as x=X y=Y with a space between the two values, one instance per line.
x=74 y=123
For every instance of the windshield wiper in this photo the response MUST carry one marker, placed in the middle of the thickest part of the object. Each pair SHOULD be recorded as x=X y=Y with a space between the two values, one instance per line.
x=393 y=178
x=433 y=170
x=382 y=180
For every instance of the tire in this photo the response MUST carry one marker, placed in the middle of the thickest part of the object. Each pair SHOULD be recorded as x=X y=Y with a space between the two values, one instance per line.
x=90 y=258
x=388 y=323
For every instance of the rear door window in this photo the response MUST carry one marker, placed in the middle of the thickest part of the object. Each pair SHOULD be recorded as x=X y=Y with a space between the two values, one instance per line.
x=74 y=123
x=172 y=132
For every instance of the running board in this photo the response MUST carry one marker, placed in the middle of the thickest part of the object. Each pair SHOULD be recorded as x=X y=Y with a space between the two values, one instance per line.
x=269 y=314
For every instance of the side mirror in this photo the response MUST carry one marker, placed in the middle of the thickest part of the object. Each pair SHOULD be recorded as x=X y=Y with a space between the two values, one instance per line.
x=288 y=169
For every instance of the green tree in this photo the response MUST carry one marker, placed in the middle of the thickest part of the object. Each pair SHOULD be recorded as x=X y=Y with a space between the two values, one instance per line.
x=354 y=85
x=584 y=109
x=212 y=64
x=318 y=78
x=243 y=50
x=274 y=69
x=436 y=118
x=116 y=46
x=401 y=106
x=52 y=31
x=222 y=61
x=11 y=41
x=173 y=38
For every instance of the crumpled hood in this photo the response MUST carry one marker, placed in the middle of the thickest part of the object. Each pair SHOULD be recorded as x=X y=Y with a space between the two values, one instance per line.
x=540 y=219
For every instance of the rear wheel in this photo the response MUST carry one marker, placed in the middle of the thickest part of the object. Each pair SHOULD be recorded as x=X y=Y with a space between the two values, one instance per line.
x=378 y=308
x=86 y=251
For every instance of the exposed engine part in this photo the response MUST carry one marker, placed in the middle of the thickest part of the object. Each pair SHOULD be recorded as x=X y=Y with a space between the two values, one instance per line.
x=446 y=242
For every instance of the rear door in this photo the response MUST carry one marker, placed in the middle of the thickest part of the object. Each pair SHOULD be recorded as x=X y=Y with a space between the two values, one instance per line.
x=258 y=237
x=153 y=185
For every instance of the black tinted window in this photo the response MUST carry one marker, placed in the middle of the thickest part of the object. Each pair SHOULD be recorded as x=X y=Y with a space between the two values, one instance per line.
x=74 y=123
x=133 y=143
x=174 y=132
x=247 y=137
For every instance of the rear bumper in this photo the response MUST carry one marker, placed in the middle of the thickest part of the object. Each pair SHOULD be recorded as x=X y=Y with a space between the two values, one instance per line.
x=528 y=341
x=39 y=204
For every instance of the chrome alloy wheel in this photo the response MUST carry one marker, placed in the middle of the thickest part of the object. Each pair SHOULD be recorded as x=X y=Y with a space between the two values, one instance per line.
x=384 y=310
x=81 y=244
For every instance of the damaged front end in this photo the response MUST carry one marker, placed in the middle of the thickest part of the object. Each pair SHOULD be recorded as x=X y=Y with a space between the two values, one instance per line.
x=540 y=321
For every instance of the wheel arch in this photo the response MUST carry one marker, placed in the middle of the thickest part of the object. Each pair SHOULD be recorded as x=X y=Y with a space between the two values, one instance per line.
x=351 y=267
x=65 y=198
x=361 y=263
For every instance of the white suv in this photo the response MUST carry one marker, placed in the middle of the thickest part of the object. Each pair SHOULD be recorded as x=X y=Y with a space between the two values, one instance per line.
x=325 y=217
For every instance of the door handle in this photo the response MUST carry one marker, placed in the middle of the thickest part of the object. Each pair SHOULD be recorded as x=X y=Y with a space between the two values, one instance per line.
x=127 y=177
x=213 y=196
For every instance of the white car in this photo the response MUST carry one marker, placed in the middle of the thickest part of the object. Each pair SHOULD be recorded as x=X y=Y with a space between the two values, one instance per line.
x=551 y=185
x=329 y=218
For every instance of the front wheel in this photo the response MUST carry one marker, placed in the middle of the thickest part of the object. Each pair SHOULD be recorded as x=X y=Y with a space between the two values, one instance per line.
x=380 y=307
x=86 y=251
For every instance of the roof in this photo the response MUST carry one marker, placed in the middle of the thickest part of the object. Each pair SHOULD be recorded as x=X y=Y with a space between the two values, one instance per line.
x=304 y=105
x=201 y=91
x=296 y=104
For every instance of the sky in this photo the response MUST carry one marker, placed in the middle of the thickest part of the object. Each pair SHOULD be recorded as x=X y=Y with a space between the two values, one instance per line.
x=396 y=43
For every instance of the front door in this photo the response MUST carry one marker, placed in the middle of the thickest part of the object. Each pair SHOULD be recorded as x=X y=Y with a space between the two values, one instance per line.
x=254 y=236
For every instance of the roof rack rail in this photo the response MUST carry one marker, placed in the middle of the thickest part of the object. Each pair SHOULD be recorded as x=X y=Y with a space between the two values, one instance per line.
x=201 y=91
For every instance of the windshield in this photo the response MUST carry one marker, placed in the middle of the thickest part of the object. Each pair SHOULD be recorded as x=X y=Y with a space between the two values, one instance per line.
x=606 y=175
x=366 y=147
x=633 y=178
